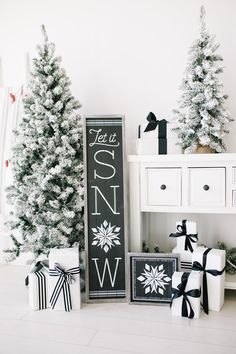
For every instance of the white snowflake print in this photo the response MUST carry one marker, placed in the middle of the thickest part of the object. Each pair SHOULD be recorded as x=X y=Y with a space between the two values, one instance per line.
x=154 y=279
x=106 y=236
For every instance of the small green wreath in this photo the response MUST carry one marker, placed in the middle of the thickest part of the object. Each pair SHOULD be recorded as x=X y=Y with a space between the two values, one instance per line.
x=230 y=266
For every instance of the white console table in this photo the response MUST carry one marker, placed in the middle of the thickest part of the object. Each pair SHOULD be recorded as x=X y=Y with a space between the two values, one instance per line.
x=193 y=183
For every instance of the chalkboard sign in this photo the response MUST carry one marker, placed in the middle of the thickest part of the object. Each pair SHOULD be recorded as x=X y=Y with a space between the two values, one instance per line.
x=105 y=226
x=150 y=277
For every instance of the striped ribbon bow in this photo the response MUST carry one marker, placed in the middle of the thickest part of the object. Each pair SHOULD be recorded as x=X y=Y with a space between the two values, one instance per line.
x=63 y=284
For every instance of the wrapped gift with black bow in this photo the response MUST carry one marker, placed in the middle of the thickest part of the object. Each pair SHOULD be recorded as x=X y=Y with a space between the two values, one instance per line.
x=186 y=293
x=186 y=236
x=64 y=279
x=152 y=136
x=37 y=280
x=211 y=263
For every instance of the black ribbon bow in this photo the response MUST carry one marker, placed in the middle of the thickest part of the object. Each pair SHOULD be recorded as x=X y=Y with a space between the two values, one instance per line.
x=152 y=122
x=197 y=266
x=63 y=284
x=189 y=238
x=180 y=291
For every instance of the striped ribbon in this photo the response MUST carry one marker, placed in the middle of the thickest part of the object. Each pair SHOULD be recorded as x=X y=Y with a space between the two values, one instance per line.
x=63 y=284
x=42 y=290
x=38 y=266
x=186 y=265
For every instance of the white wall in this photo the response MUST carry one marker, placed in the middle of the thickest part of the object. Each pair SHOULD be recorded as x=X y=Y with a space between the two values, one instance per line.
x=123 y=56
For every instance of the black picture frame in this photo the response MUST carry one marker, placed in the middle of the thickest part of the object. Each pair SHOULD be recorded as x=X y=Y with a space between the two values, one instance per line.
x=150 y=277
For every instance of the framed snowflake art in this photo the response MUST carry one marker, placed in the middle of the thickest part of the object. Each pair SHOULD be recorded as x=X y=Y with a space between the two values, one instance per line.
x=150 y=277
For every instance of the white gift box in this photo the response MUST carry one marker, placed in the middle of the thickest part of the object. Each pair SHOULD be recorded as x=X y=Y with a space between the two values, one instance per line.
x=191 y=229
x=147 y=146
x=150 y=134
x=193 y=282
x=66 y=258
x=185 y=256
x=215 y=284
x=38 y=290
x=148 y=142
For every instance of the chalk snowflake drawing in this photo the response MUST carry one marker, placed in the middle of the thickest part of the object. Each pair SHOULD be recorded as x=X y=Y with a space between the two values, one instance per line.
x=106 y=236
x=154 y=279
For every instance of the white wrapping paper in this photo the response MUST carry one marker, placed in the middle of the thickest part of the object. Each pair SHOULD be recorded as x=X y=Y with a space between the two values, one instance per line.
x=148 y=142
x=67 y=258
x=151 y=133
x=215 y=284
x=194 y=282
x=191 y=228
x=185 y=256
x=147 y=146
x=38 y=290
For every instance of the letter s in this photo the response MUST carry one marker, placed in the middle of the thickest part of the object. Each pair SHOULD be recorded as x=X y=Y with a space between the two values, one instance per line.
x=112 y=153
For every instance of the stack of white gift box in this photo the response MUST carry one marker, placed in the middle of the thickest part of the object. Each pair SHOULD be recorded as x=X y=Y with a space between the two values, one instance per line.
x=187 y=241
x=156 y=137
x=200 y=281
x=56 y=286
x=202 y=272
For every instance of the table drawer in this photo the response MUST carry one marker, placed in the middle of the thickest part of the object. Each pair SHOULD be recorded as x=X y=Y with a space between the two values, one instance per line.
x=162 y=186
x=206 y=187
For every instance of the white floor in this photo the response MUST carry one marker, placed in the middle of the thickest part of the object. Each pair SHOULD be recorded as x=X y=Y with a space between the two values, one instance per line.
x=107 y=328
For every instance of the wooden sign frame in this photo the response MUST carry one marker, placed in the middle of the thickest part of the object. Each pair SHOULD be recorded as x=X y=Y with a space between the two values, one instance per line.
x=105 y=208
x=150 y=277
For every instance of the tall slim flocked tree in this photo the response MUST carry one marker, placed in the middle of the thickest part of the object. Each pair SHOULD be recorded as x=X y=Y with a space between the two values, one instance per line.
x=202 y=118
x=47 y=162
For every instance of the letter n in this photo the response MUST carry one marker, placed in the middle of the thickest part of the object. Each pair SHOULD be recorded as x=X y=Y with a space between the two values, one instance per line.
x=113 y=209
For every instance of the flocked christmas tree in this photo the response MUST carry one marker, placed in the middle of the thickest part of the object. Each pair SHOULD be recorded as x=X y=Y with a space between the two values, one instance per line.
x=47 y=190
x=202 y=118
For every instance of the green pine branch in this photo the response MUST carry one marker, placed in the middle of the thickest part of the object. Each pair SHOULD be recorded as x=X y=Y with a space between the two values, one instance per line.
x=230 y=266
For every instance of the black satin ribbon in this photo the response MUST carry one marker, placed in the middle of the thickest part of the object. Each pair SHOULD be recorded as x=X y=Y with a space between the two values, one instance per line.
x=152 y=122
x=63 y=284
x=189 y=238
x=180 y=291
x=197 y=266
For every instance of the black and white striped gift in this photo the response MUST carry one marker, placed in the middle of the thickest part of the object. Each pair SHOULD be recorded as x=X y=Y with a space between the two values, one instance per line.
x=38 y=287
x=42 y=290
x=186 y=266
x=63 y=285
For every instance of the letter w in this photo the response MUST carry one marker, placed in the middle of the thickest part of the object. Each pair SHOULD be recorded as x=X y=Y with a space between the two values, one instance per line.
x=106 y=265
